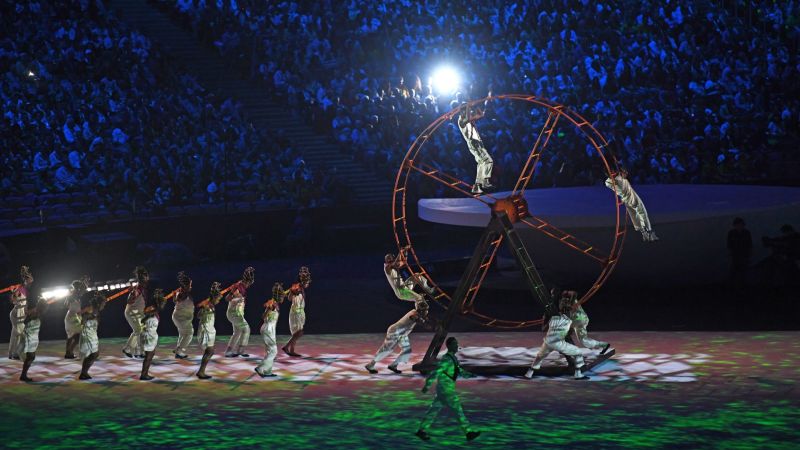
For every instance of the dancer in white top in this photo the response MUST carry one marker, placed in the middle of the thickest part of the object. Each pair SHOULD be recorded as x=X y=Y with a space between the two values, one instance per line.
x=150 y=321
x=633 y=204
x=297 y=314
x=133 y=313
x=466 y=124
x=30 y=337
x=19 y=298
x=397 y=335
x=72 y=320
x=272 y=311
x=558 y=328
x=183 y=314
x=235 y=314
x=206 y=333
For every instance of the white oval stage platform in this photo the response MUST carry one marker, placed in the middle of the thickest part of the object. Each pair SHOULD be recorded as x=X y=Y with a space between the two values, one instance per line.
x=692 y=222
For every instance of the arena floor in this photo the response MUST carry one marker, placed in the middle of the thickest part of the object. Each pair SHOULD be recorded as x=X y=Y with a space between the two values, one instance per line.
x=661 y=390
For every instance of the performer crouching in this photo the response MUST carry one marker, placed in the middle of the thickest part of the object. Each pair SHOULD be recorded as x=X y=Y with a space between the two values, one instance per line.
x=133 y=313
x=206 y=333
x=89 y=345
x=19 y=298
x=150 y=331
x=235 y=315
x=270 y=316
x=30 y=337
x=558 y=328
x=72 y=320
x=183 y=314
x=397 y=334
x=580 y=323
x=297 y=314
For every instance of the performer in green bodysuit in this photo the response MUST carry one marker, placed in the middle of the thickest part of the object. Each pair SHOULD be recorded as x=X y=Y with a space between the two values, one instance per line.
x=445 y=376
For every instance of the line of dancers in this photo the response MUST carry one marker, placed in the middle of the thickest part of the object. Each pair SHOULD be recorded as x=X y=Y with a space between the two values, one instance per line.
x=142 y=312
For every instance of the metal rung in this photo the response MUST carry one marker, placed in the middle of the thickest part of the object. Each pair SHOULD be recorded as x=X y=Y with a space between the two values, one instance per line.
x=588 y=250
x=431 y=172
x=400 y=189
x=486 y=264
x=473 y=288
x=566 y=236
x=400 y=218
x=438 y=297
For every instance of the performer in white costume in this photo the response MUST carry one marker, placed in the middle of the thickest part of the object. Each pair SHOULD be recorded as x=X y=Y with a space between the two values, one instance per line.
x=403 y=289
x=150 y=321
x=30 y=337
x=183 y=314
x=133 y=313
x=633 y=204
x=466 y=124
x=235 y=314
x=397 y=335
x=72 y=320
x=558 y=328
x=297 y=314
x=270 y=316
x=206 y=333
x=89 y=345
x=580 y=323
x=19 y=298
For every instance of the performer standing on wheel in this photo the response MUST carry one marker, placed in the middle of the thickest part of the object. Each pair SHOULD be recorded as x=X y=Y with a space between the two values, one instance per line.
x=272 y=310
x=30 y=337
x=558 y=328
x=150 y=331
x=183 y=314
x=466 y=124
x=397 y=334
x=206 y=333
x=19 y=298
x=89 y=345
x=72 y=320
x=297 y=314
x=235 y=315
x=133 y=313
x=445 y=375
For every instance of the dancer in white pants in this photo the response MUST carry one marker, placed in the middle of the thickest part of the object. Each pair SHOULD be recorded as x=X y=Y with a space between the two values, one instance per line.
x=150 y=331
x=134 y=312
x=72 y=320
x=466 y=124
x=270 y=316
x=397 y=335
x=580 y=323
x=235 y=314
x=183 y=314
x=19 y=298
x=558 y=329
x=297 y=313
x=633 y=204
x=89 y=345
x=30 y=337
x=206 y=333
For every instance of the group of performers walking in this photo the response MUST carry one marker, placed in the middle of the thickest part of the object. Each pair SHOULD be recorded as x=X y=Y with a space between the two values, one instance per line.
x=142 y=312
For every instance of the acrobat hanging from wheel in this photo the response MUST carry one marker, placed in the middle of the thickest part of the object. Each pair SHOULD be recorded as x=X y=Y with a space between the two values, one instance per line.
x=466 y=124
x=403 y=288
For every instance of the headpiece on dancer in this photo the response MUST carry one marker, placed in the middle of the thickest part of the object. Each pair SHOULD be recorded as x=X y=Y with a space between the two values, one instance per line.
x=141 y=274
x=304 y=276
x=79 y=286
x=184 y=281
x=159 y=299
x=98 y=301
x=249 y=276
x=389 y=258
x=215 y=293
x=25 y=274
x=421 y=307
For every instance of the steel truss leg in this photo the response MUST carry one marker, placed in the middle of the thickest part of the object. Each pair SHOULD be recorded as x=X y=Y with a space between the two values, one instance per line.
x=499 y=225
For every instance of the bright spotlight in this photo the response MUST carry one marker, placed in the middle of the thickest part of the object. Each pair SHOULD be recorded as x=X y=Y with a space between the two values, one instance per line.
x=445 y=80
x=55 y=293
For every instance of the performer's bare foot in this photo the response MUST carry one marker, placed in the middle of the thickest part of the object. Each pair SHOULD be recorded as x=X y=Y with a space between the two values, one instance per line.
x=286 y=350
x=84 y=376
x=203 y=376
